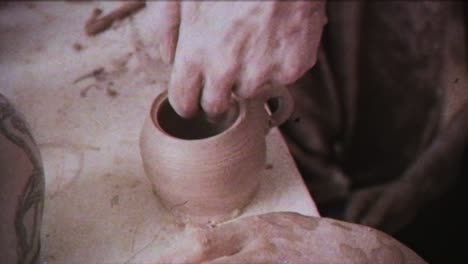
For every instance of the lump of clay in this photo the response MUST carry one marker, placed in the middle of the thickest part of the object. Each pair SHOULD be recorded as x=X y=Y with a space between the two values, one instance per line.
x=286 y=237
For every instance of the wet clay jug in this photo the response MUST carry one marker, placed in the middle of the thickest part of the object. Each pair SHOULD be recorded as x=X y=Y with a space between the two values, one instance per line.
x=21 y=189
x=205 y=172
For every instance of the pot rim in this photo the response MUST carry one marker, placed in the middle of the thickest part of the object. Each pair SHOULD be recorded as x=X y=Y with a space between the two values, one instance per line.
x=162 y=97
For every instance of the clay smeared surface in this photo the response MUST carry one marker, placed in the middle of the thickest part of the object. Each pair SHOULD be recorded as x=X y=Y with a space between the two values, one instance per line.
x=270 y=237
x=357 y=255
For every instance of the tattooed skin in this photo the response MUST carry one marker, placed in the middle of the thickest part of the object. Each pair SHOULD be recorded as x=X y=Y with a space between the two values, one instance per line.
x=30 y=196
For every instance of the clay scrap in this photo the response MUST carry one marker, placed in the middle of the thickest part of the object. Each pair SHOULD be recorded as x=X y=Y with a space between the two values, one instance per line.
x=97 y=23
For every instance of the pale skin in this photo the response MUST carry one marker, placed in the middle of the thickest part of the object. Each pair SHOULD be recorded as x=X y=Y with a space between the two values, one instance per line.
x=221 y=49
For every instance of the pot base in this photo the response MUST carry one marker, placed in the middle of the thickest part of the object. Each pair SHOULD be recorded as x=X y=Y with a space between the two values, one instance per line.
x=183 y=213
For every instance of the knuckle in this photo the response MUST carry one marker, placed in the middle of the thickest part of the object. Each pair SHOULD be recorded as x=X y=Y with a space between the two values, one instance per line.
x=294 y=67
x=229 y=72
x=290 y=74
x=257 y=90
x=247 y=92
x=253 y=85
x=223 y=71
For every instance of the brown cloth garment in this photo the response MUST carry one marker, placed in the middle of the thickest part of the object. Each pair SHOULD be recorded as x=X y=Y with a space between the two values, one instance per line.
x=380 y=127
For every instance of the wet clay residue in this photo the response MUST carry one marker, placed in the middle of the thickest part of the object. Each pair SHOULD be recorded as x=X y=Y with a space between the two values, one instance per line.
x=357 y=255
x=102 y=78
x=78 y=47
x=289 y=220
x=341 y=226
x=96 y=74
x=383 y=238
x=308 y=223
x=388 y=255
x=111 y=92
x=114 y=201
x=387 y=250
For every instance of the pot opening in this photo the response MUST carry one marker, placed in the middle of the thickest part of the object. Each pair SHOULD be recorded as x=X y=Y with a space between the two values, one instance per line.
x=198 y=127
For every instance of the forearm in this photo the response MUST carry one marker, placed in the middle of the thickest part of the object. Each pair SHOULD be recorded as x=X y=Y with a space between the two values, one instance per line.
x=438 y=166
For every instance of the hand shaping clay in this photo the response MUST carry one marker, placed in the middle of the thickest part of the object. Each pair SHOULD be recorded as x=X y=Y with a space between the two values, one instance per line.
x=207 y=172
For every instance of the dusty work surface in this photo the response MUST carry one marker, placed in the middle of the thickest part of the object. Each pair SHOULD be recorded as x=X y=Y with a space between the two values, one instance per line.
x=99 y=204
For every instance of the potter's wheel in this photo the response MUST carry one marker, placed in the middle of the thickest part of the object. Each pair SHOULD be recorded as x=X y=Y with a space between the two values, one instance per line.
x=99 y=205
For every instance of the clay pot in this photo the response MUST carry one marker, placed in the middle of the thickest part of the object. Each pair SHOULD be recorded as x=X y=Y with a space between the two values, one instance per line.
x=21 y=189
x=208 y=172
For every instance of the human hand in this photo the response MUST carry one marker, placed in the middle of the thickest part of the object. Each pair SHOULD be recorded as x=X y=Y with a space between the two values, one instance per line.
x=286 y=237
x=239 y=47
x=387 y=207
